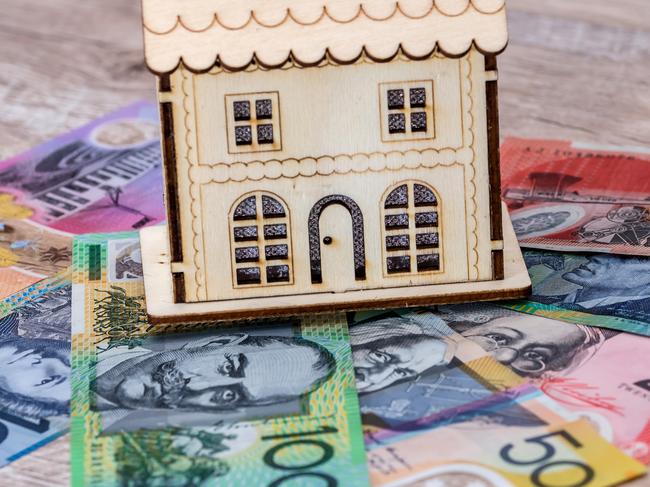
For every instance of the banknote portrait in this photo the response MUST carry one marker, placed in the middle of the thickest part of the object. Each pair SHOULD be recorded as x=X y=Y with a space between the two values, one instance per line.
x=609 y=284
x=395 y=349
x=35 y=355
x=420 y=382
x=34 y=376
x=227 y=375
x=530 y=345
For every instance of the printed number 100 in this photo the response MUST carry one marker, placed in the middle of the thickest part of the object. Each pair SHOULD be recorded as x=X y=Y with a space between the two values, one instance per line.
x=296 y=471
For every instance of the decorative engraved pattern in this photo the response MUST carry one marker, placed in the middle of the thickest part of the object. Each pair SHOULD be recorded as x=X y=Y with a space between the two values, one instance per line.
x=396 y=221
x=277 y=273
x=426 y=219
x=417 y=97
x=264 y=108
x=243 y=234
x=251 y=130
x=275 y=231
x=401 y=263
x=191 y=159
x=395 y=99
x=418 y=122
x=423 y=196
x=243 y=135
x=426 y=240
x=272 y=241
x=272 y=208
x=340 y=164
x=265 y=134
x=397 y=242
x=247 y=254
x=246 y=210
x=463 y=155
x=248 y=275
x=396 y=123
x=202 y=35
x=470 y=140
x=410 y=120
x=161 y=17
x=359 y=248
x=242 y=110
x=274 y=252
x=400 y=229
x=428 y=262
x=398 y=198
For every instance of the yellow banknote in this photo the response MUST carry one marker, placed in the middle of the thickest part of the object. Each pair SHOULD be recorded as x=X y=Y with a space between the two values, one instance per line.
x=522 y=442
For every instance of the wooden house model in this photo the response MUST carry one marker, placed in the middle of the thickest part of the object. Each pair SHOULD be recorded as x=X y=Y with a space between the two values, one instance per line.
x=327 y=154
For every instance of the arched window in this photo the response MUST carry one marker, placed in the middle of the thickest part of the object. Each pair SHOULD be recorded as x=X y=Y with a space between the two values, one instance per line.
x=260 y=239
x=411 y=233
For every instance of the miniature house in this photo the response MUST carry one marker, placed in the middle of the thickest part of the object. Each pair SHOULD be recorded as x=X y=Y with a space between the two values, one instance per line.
x=323 y=154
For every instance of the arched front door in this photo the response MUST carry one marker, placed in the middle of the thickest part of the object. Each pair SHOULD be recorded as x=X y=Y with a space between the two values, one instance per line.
x=340 y=239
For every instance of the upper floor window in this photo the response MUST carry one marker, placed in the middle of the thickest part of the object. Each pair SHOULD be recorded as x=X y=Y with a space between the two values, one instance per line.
x=260 y=239
x=411 y=232
x=406 y=110
x=253 y=122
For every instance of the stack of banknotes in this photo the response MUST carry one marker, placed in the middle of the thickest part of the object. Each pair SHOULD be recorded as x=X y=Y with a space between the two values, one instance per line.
x=553 y=391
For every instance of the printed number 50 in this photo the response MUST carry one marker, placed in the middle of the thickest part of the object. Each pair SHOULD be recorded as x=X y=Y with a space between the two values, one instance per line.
x=547 y=454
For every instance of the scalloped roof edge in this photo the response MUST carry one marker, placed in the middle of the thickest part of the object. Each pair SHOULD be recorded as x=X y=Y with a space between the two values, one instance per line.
x=342 y=43
x=152 y=21
x=326 y=57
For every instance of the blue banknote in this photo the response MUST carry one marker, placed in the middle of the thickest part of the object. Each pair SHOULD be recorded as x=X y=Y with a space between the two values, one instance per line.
x=606 y=290
x=34 y=366
x=414 y=373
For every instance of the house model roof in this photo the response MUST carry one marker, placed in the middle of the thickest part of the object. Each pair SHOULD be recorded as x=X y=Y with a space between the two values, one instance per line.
x=200 y=33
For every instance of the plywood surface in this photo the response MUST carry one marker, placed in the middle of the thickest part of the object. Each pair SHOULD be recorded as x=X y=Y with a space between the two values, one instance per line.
x=573 y=70
x=270 y=32
x=161 y=307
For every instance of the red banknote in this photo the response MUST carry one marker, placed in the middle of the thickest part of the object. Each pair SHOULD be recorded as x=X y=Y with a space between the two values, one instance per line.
x=571 y=197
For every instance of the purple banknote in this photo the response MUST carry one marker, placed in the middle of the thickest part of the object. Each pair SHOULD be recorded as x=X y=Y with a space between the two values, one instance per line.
x=102 y=177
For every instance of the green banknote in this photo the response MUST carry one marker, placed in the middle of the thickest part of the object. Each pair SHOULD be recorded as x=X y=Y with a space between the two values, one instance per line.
x=607 y=290
x=268 y=403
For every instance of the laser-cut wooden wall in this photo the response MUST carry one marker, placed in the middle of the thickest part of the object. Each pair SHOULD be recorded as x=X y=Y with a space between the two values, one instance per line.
x=365 y=168
x=331 y=137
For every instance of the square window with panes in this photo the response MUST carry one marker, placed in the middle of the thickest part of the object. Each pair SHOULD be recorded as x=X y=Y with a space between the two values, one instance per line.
x=253 y=122
x=406 y=110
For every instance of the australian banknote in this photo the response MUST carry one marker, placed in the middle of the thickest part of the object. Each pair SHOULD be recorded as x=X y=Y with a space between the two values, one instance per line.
x=264 y=403
x=605 y=290
x=413 y=372
x=34 y=366
x=520 y=442
x=594 y=372
x=104 y=176
x=568 y=197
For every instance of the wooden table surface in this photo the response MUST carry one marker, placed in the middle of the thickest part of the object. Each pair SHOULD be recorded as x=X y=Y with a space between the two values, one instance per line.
x=576 y=69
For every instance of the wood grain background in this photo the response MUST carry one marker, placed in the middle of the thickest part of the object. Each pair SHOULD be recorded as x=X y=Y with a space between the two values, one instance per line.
x=576 y=69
